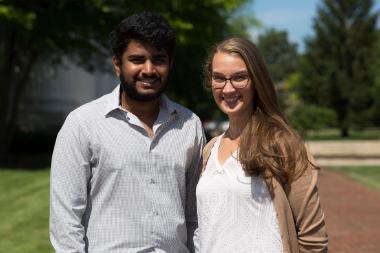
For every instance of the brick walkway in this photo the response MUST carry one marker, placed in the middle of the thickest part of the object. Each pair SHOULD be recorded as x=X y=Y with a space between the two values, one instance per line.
x=352 y=214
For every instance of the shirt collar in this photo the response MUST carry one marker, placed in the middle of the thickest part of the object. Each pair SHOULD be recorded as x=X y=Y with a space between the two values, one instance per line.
x=113 y=100
x=167 y=105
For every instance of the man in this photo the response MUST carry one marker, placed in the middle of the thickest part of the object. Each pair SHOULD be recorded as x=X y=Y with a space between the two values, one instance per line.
x=125 y=166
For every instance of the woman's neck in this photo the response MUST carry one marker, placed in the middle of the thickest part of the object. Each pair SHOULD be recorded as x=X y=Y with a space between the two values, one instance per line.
x=236 y=127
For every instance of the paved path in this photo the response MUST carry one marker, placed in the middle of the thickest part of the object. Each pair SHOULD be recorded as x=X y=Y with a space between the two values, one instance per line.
x=352 y=214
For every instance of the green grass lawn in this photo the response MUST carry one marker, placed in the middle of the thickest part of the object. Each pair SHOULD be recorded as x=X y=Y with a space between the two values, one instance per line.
x=367 y=175
x=24 y=211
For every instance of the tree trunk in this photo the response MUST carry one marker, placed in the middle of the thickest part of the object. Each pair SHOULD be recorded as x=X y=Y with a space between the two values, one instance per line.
x=6 y=70
x=12 y=88
x=3 y=140
x=343 y=123
x=344 y=132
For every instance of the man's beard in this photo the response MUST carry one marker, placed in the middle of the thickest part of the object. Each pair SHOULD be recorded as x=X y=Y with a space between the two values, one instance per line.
x=130 y=89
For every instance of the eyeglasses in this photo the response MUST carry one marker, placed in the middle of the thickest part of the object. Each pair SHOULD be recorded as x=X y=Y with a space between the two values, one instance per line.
x=237 y=81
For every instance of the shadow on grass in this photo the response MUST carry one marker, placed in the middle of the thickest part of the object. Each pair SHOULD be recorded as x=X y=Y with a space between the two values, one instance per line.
x=29 y=151
x=26 y=161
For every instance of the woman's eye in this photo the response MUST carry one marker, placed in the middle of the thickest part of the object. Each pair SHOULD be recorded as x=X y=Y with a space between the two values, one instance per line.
x=239 y=78
x=218 y=79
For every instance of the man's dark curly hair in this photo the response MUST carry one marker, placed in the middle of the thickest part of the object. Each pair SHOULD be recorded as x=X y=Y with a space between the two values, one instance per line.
x=145 y=27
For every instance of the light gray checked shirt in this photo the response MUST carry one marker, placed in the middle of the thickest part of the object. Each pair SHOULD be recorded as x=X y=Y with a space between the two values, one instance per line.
x=113 y=189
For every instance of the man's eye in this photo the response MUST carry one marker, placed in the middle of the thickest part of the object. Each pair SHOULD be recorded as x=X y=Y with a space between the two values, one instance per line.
x=159 y=61
x=137 y=60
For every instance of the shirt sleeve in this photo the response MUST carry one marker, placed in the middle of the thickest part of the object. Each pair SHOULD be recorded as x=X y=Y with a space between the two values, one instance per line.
x=69 y=177
x=192 y=177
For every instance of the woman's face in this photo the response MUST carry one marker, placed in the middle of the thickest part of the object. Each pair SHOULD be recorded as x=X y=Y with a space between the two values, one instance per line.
x=236 y=98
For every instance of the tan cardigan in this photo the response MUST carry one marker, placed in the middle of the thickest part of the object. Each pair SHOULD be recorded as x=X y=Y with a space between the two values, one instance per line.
x=299 y=214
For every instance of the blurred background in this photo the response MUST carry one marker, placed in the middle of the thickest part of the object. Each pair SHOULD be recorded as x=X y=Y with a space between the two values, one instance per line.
x=323 y=56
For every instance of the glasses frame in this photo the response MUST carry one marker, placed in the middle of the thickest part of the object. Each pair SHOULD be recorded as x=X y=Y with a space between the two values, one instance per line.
x=220 y=86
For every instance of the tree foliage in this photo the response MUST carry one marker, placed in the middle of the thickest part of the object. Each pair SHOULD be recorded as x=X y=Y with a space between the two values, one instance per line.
x=280 y=54
x=311 y=117
x=281 y=57
x=375 y=109
x=336 y=70
x=44 y=30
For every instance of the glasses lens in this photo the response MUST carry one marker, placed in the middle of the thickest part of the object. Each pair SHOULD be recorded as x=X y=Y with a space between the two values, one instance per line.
x=239 y=81
x=218 y=81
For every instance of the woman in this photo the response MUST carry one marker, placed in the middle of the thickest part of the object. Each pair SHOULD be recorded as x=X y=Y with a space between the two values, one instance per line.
x=258 y=190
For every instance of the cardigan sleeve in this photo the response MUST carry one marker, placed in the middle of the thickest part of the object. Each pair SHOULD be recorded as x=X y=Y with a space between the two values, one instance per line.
x=308 y=216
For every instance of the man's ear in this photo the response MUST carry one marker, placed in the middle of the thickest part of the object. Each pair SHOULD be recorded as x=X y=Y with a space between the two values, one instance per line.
x=116 y=65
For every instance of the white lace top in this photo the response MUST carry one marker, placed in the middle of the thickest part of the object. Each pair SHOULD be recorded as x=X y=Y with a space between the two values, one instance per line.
x=235 y=212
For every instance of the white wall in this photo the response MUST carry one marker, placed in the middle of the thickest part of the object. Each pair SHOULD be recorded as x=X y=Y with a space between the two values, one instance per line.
x=53 y=93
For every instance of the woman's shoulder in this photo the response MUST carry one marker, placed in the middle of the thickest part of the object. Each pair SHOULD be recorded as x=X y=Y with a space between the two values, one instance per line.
x=208 y=146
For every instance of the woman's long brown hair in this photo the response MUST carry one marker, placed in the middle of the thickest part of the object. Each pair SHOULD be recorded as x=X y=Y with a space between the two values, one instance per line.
x=268 y=145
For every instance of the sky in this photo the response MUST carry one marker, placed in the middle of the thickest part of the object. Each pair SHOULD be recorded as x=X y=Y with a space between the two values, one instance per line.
x=294 y=16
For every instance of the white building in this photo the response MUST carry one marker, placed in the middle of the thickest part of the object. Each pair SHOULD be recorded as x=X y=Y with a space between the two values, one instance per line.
x=53 y=93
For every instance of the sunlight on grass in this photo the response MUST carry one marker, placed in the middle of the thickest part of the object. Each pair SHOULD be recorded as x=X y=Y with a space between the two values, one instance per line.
x=24 y=201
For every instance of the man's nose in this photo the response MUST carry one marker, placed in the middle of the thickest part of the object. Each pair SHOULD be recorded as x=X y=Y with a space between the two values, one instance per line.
x=148 y=67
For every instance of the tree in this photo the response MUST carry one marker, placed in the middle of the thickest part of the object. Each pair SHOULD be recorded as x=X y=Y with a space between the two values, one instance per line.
x=280 y=54
x=48 y=30
x=310 y=117
x=281 y=57
x=44 y=30
x=336 y=69
x=375 y=110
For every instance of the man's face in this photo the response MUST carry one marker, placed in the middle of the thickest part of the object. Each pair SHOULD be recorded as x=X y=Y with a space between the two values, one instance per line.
x=143 y=72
